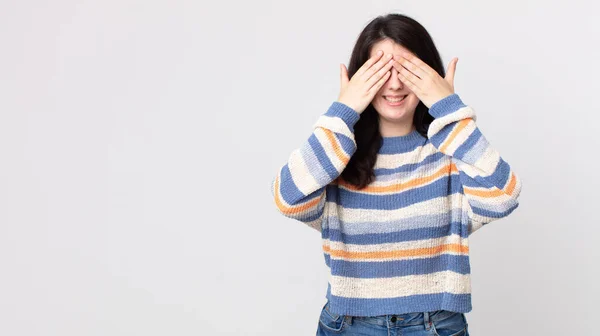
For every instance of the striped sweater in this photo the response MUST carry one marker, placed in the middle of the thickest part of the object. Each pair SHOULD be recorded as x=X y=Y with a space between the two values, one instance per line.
x=401 y=244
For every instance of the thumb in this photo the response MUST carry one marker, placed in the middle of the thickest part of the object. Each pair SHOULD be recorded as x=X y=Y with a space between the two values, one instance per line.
x=343 y=76
x=451 y=71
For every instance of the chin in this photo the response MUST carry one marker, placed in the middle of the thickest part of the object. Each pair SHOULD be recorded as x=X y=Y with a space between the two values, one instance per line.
x=397 y=115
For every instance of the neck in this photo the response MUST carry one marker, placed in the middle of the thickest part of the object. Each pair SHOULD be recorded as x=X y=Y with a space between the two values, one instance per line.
x=387 y=129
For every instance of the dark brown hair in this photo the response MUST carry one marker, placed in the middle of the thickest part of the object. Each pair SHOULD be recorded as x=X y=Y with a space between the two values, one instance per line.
x=410 y=34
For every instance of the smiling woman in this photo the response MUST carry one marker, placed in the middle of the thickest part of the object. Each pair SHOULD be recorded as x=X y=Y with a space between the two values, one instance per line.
x=396 y=176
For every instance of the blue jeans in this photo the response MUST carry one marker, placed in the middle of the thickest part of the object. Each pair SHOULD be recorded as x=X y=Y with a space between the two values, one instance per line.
x=435 y=323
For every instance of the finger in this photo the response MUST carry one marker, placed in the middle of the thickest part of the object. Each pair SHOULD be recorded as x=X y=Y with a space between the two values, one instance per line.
x=412 y=86
x=343 y=75
x=422 y=66
x=451 y=71
x=375 y=88
x=398 y=66
x=409 y=76
x=369 y=63
x=401 y=62
x=375 y=68
x=374 y=79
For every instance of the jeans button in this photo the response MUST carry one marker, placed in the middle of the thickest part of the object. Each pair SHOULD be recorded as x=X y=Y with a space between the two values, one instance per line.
x=393 y=318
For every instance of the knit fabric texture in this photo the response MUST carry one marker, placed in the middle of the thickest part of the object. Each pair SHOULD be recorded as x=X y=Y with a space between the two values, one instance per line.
x=401 y=244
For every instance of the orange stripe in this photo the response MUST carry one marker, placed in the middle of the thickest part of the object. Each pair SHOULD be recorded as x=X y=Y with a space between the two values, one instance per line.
x=291 y=210
x=459 y=127
x=487 y=193
x=513 y=183
x=394 y=254
x=450 y=168
x=496 y=192
x=337 y=148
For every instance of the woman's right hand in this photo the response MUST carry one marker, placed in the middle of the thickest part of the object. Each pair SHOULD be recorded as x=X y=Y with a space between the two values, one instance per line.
x=358 y=92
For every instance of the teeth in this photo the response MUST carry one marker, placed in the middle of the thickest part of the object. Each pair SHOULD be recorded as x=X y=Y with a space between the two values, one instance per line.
x=394 y=100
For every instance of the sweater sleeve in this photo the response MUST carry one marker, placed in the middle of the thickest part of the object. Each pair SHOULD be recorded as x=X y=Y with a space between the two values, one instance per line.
x=299 y=188
x=490 y=185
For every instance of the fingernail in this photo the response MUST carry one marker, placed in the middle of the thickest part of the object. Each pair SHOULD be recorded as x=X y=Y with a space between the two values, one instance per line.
x=379 y=52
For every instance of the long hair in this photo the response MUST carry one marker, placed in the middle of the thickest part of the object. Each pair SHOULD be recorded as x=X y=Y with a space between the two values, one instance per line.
x=410 y=34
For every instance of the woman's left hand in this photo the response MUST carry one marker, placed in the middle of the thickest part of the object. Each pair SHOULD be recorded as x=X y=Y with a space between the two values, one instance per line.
x=424 y=81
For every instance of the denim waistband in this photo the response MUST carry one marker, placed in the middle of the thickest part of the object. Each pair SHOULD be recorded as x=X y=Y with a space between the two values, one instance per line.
x=406 y=319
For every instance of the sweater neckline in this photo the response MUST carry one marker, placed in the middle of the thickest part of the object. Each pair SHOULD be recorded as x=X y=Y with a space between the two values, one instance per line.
x=401 y=143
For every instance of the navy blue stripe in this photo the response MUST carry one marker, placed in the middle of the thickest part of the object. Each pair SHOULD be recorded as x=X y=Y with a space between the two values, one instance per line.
x=321 y=155
x=290 y=192
x=344 y=112
x=394 y=268
x=348 y=145
x=445 y=106
x=498 y=179
x=494 y=214
x=442 y=187
x=454 y=227
x=468 y=144
x=399 y=305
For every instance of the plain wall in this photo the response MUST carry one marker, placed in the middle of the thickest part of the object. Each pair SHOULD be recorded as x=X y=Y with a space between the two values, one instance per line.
x=138 y=141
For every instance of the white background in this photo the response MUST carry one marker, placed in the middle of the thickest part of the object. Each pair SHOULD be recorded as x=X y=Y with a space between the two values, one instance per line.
x=138 y=141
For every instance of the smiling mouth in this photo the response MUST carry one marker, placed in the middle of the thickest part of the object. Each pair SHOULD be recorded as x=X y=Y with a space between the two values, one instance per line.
x=394 y=99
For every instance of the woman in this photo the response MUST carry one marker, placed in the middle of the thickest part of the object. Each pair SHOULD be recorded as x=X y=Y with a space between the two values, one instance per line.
x=396 y=175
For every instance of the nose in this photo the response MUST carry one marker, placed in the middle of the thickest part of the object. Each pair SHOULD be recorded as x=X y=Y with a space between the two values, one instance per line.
x=394 y=81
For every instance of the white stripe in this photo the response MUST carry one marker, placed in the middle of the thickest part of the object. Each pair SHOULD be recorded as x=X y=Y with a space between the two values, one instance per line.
x=357 y=221
x=432 y=243
x=379 y=288
x=459 y=139
x=404 y=176
x=391 y=161
x=421 y=171
x=335 y=124
x=438 y=123
x=301 y=175
x=485 y=165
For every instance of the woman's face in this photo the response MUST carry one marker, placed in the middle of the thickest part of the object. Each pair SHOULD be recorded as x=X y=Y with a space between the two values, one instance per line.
x=386 y=100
